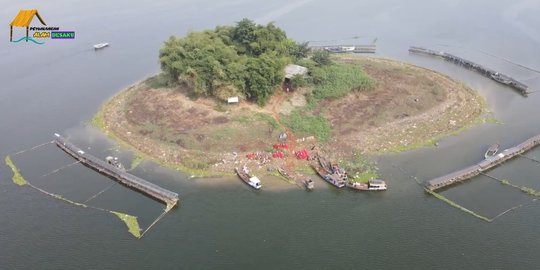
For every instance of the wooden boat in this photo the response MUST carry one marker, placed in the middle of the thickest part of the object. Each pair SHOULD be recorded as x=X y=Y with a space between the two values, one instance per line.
x=372 y=185
x=325 y=164
x=492 y=150
x=284 y=174
x=340 y=172
x=101 y=45
x=330 y=178
x=309 y=183
x=251 y=180
x=501 y=78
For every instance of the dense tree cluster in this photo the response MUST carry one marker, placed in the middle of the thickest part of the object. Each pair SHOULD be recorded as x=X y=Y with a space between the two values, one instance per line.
x=246 y=59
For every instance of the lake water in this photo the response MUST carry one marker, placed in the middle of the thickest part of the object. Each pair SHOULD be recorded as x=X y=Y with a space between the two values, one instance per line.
x=221 y=223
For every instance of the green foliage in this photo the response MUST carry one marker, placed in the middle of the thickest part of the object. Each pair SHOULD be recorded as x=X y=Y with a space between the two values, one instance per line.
x=452 y=203
x=338 y=80
x=246 y=60
x=307 y=125
x=300 y=51
x=157 y=81
x=530 y=191
x=137 y=160
x=365 y=176
x=361 y=168
x=130 y=221
x=262 y=76
x=322 y=58
x=17 y=177
x=298 y=81
x=248 y=119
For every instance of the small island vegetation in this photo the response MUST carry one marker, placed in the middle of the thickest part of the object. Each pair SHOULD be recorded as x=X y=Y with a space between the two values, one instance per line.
x=346 y=108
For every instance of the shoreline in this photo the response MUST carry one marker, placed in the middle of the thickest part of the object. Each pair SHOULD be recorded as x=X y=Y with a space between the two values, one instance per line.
x=139 y=145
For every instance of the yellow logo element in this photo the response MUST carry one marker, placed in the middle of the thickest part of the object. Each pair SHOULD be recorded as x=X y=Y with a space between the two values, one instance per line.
x=23 y=19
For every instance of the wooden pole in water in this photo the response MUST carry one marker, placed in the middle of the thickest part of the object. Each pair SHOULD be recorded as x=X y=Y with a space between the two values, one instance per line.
x=27 y=34
x=10 y=33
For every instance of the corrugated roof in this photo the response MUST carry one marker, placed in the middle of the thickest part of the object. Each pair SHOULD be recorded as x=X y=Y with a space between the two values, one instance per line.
x=291 y=70
x=24 y=18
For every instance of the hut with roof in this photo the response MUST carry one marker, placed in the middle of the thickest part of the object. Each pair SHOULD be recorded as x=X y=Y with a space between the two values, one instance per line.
x=292 y=70
x=23 y=19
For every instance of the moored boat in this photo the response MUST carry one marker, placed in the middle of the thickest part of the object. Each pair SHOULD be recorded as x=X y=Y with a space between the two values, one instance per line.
x=325 y=164
x=284 y=174
x=101 y=45
x=339 y=172
x=115 y=162
x=501 y=78
x=372 y=185
x=330 y=178
x=492 y=150
x=251 y=180
x=309 y=183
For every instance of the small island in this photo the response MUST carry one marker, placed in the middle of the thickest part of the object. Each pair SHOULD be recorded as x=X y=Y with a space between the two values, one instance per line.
x=249 y=95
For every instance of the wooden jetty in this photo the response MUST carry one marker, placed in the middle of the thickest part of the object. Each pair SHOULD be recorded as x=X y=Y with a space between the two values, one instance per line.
x=132 y=181
x=496 y=76
x=346 y=48
x=483 y=165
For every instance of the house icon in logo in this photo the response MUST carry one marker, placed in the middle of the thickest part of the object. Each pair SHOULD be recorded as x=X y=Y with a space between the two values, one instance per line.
x=23 y=19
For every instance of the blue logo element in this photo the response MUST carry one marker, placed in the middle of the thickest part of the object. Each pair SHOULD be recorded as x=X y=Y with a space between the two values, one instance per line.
x=28 y=39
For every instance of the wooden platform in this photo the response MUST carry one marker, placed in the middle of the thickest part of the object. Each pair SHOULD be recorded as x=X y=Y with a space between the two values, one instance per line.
x=364 y=48
x=496 y=76
x=482 y=166
x=132 y=181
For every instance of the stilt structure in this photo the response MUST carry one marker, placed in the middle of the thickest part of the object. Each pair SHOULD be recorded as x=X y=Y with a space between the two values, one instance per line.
x=168 y=197
x=23 y=19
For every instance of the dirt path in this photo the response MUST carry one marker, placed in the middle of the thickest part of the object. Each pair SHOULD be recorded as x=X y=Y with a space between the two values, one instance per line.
x=291 y=138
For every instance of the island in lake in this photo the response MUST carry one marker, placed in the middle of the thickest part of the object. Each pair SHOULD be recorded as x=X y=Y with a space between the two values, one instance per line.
x=293 y=104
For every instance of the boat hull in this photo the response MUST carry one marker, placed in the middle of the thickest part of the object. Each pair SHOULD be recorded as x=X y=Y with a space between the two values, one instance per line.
x=246 y=179
x=330 y=178
x=492 y=151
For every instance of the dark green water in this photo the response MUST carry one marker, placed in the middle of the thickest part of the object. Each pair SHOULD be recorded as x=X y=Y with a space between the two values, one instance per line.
x=221 y=223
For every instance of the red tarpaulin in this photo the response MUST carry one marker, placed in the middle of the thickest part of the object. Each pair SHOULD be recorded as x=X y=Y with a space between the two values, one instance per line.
x=281 y=145
x=302 y=154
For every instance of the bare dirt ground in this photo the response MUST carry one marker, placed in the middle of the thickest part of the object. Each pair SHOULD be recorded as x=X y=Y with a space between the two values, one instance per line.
x=410 y=107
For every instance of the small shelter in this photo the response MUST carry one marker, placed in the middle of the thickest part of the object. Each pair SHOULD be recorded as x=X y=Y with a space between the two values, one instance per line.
x=23 y=19
x=292 y=70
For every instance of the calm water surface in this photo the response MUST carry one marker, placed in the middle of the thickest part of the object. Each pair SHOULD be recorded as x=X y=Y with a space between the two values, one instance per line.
x=221 y=224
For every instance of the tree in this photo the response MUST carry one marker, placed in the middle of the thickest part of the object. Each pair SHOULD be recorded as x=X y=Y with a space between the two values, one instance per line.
x=262 y=76
x=245 y=59
x=322 y=58
x=243 y=34
x=300 y=50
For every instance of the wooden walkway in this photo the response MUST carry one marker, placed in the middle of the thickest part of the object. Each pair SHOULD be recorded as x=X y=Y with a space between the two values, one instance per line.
x=132 y=181
x=496 y=76
x=482 y=166
x=347 y=48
